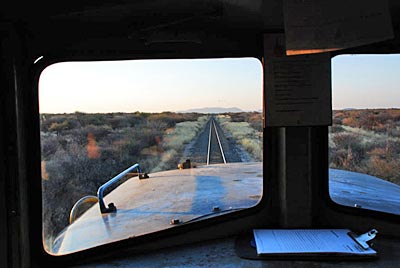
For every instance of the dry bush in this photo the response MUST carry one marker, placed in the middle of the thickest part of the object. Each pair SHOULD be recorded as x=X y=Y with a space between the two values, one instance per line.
x=390 y=150
x=344 y=140
x=336 y=129
x=245 y=135
x=175 y=141
x=253 y=118
x=338 y=114
x=345 y=159
x=381 y=168
x=89 y=149
x=350 y=121
x=349 y=150
x=376 y=119
x=336 y=121
x=395 y=114
x=50 y=145
x=376 y=132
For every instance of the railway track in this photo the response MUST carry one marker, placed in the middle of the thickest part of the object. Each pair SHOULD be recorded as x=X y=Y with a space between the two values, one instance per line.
x=212 y=146
x=215 y=152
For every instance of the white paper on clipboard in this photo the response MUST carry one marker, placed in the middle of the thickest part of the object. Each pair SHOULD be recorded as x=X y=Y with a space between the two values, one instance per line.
x=304 y=241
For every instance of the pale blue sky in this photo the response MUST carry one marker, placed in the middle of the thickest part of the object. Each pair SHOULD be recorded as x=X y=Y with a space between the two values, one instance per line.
x=366 y=81
x=151 y=85
x=358 y=81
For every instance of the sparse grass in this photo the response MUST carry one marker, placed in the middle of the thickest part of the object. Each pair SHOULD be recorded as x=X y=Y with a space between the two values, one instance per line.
x=176 y=139
x=367 y=141
x=249 y=138
x=183 y=133
x=369 y=135
x=81 y=151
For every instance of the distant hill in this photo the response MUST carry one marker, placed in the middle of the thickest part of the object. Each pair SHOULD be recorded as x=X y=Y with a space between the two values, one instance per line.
x=212 y=110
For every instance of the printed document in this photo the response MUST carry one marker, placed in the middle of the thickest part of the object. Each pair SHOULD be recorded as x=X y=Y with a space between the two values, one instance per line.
x=303 y=241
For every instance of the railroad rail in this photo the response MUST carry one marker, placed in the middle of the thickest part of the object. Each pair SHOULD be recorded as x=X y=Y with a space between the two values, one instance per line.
x=214 y=145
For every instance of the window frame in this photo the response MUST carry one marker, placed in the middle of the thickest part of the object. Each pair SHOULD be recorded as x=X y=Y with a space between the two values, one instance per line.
x=196 y=231
x=389 y=219
x=267 y=214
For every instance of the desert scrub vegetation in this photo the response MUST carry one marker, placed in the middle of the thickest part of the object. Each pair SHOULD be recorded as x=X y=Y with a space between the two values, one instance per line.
x=366 y=141
x=176 y=139
x=246 y=134
x=82 y=151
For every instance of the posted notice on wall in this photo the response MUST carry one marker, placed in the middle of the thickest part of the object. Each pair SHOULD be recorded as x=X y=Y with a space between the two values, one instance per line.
x=298 y=90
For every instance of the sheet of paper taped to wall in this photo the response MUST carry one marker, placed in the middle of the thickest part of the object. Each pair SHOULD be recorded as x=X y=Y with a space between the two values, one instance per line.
x=313 y=26
x=298 y=90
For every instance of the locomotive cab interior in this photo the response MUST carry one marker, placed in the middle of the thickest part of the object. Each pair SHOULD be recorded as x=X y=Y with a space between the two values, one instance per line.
x=295 y=168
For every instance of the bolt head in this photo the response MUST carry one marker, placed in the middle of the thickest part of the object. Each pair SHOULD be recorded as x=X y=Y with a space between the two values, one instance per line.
x=175 y=221
x=216 y=209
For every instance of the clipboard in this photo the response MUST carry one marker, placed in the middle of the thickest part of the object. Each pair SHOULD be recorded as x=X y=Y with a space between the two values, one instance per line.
x=313 y=243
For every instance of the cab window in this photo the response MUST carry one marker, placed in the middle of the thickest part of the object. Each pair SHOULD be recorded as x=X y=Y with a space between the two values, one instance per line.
x=134 y=147
x=364 y=140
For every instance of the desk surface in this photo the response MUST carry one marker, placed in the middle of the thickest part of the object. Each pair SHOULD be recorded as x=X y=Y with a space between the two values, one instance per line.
x=221 y=253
